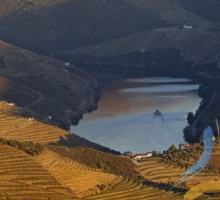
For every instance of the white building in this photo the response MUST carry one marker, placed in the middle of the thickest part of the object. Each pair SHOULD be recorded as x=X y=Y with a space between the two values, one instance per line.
x=143 y=155
x=187 y=26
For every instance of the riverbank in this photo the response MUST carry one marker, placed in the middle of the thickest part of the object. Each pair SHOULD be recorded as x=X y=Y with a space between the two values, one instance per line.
x=91 y=105
x=207 y=75
x=128 y=106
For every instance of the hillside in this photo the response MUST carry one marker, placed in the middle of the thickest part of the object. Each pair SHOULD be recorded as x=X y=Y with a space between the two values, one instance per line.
x=85 y=29
x=83 y=172
x=48 y=49
x=22 y=177
x=29 y=129
x=62 y=175
x=46 y=86
x=47 y=27
x=209 y=10
x=50 y=176
x=199 y=45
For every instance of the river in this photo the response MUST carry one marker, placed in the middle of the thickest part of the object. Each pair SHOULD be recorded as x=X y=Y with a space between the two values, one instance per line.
x=126 y=118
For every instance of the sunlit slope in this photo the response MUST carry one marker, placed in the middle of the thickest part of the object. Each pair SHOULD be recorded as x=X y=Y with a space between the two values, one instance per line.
x=156 y=171
x=22 y=129
x=23 y=177
x=82 y=180
x=153 y=169
x=127 y=190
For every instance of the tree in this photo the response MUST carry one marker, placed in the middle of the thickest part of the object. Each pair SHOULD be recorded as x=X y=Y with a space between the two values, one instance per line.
x=154 y=152
x=188 y=134
x=172 y=148
x=190 y=118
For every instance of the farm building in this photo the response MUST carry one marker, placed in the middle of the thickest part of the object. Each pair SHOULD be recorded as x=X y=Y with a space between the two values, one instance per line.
x=143 y=155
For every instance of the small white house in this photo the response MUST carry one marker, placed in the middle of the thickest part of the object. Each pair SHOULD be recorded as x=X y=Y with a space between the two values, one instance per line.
x=143 y=155
x=66 y=63
x=186 y=26
x=30 y=119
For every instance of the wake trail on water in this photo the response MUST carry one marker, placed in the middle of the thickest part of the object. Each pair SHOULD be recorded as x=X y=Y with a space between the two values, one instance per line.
x=157 y=129
x=173 y=117
x=126 y=122
x=122 y=124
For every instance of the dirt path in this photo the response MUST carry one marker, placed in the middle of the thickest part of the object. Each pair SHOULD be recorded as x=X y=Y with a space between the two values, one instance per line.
x=41 y=98
x=139 y=3
x=25 y=54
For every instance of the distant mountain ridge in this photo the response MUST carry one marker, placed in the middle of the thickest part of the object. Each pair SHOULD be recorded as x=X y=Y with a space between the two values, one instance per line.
x=59 y=25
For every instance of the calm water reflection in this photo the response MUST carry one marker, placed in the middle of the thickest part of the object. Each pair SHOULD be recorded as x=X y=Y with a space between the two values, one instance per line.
x=125 y=117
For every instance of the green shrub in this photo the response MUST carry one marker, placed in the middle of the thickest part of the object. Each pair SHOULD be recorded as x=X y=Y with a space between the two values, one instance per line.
x=30 y=148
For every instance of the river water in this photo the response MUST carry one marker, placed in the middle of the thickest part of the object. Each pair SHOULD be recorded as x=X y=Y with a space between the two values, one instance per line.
x=126 y=118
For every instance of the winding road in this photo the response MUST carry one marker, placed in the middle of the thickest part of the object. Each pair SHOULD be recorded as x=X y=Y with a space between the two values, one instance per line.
x=41 y=98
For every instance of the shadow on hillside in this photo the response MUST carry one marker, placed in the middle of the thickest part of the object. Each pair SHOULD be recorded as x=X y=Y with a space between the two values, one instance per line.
x=73 y=140
x=76 y=18
x=165 y=186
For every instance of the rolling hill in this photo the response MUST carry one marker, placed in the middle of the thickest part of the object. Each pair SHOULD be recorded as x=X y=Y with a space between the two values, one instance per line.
x=39 y=93
x=36 y=82
x=75 y=171
x=47 y=27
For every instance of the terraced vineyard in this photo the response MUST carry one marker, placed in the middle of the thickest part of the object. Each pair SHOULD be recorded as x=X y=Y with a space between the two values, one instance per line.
x=23 y=129
x=156 y=171
x=53 y=175
x=24 y=178
x=79 y=178
x=50 y=173
x=129 y=190
x=50 y=176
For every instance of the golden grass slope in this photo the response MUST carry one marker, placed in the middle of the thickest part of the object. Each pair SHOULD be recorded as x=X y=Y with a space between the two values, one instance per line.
x=18 y=128
x=157 y=171
x=79 y=178
x=21 y=177
x=129 y=190
x=198 y=190
x=23 y=129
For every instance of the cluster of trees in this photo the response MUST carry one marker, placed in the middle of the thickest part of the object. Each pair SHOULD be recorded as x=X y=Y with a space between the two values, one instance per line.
x=30 y=148
x=182 y=158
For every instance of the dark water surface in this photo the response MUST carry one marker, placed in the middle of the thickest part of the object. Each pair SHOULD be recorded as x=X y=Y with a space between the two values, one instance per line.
x=126 y=120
